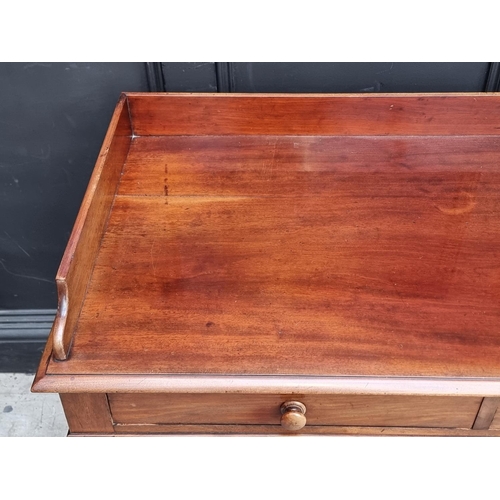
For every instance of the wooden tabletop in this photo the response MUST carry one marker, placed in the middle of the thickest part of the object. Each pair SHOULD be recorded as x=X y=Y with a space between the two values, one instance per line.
x=298 y=255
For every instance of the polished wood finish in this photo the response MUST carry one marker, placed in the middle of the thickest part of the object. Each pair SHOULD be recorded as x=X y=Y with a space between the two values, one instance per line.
x=384 y=411
x=87 y=413
x=248 y=384
x=386 y=270
x=78 y=261
x=299 y=167
x=325 y=249
x=358 y=114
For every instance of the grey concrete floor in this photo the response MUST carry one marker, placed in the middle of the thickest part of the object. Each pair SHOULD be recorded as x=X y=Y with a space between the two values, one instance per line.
x=25 y=414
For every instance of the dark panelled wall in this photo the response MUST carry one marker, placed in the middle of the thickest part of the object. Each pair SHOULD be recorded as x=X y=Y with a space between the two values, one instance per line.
x=358 y=77
x=328 y=77
x=53 y=117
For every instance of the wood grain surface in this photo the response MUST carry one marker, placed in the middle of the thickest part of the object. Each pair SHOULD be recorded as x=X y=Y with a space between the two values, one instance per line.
x=495 y=423
x=236 y=251
x=76 y=266
x=251 y=114
x=87 y=413
x=486 y=413
x=319 y=256
x=264 y=384
x=251 y=409
x=152 y=429
x=303 y=166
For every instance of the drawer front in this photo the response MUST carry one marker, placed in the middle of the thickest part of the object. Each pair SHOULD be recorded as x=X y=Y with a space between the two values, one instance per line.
x=321 y=410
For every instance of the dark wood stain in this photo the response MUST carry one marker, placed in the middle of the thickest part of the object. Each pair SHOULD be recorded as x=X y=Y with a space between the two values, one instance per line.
x=269 y=114
x=77 y=263
x=327 y=236
x=318 y=256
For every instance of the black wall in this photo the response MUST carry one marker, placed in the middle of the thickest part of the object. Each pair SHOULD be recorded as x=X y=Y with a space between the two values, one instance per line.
x=328 y=77
x=53 y=117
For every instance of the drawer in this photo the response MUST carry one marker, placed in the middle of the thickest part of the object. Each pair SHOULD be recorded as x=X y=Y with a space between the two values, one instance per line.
x=321 y=410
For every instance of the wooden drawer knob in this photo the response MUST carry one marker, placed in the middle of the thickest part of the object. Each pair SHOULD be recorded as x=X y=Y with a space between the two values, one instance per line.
x=293 y=415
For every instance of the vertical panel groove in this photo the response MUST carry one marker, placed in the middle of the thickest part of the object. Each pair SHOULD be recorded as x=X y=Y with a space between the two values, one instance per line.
x=225 y=76
x=493 y=78
x=154 y=76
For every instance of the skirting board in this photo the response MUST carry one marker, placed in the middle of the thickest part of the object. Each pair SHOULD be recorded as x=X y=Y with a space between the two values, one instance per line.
x=23 y=334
